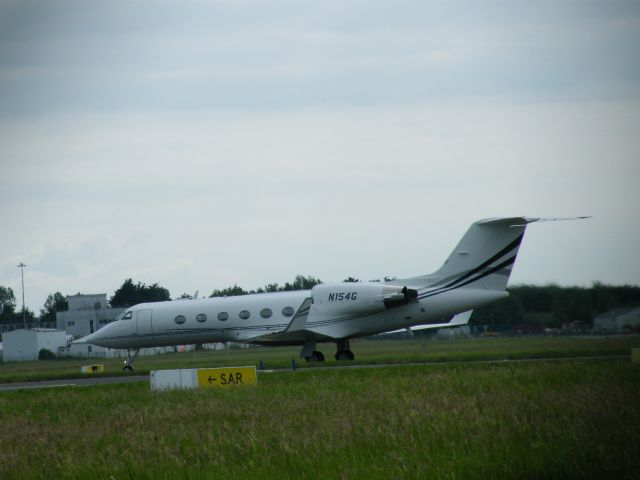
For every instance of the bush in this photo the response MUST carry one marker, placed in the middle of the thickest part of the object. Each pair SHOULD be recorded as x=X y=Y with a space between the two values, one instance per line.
x=45 y=354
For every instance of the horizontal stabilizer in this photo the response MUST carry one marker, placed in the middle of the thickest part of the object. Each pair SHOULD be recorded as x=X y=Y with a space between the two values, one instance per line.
x=456 y=321
x=523 y=221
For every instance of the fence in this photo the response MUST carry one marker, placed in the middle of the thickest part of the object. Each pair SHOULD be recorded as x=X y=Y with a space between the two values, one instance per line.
x=10 y=327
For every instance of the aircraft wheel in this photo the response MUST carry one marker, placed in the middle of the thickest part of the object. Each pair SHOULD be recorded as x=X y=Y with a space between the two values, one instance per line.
x=316 y=357
x=127 y=368
x=344 y=355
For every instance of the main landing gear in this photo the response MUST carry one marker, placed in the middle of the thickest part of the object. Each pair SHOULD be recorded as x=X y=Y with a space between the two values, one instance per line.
x=316 y=356
x=310 y=354
x=131 y=357
x=344 y=351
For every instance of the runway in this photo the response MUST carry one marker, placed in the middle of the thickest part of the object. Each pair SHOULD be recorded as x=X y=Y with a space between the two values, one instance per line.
x=72 y=382
x=89 y=381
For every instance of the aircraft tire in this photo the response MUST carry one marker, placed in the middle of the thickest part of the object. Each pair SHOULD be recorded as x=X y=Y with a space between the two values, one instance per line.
x=344 y=355
x=316 y=356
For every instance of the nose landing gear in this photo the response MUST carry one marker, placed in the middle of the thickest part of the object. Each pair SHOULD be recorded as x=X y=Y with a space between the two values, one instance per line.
x=128 y=362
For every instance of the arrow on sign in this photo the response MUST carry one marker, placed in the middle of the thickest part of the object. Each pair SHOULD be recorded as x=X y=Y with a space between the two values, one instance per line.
x=211 y=379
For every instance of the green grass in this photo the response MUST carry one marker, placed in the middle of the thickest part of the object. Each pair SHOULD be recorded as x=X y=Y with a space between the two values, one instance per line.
x=366 y=351
x=572 y=419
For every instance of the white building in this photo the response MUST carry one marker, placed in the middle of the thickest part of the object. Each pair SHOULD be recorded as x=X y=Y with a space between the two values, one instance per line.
x=617 y=320
x=463 y=331
x=86 y=314
x=21 y=345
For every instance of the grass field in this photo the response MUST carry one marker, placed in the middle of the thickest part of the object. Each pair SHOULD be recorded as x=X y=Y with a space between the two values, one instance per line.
x=570 y=419
x=366 y=351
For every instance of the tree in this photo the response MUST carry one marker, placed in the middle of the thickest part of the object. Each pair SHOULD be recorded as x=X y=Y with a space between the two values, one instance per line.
x=272 y=287
x=45 y=354
x=552 y=305
x=7 y=304
x=229 y=292
x=56 y=302
x=350 y=280
x=130 y=294
x=301 y=283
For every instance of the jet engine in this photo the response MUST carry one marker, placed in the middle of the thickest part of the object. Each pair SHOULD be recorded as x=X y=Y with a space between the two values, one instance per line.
x=359 y=297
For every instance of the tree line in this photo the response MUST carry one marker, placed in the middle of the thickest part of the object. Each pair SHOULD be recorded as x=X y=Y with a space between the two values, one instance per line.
x=531 y=306
x=9 y=313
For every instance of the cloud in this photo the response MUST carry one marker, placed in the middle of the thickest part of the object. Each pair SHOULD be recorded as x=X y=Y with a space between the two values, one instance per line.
x=110 y=56
x=197 y=201
x=199 y=144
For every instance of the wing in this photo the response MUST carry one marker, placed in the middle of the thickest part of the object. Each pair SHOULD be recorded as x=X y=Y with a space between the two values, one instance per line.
x=296 y=332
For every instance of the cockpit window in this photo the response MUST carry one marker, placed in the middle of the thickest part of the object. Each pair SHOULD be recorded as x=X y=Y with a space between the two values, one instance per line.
x=127 y=316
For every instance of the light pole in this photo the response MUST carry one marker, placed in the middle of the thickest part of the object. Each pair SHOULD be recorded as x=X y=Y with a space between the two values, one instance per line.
x=24 y=316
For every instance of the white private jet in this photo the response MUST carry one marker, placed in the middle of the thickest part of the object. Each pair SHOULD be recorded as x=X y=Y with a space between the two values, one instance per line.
x=475 y=274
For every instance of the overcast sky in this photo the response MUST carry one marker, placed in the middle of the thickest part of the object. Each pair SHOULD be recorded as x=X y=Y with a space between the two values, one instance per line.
x=201 y=144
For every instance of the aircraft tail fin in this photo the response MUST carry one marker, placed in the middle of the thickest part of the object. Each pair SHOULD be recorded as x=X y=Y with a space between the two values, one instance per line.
x=484 y=257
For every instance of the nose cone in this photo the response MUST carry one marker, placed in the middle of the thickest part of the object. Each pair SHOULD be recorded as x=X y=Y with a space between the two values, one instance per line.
x=95 y=338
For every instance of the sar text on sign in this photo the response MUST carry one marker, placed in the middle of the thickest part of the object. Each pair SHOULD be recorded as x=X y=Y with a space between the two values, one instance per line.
x=226 y=376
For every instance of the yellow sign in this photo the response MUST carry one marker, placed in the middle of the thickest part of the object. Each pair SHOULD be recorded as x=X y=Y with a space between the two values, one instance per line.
x=92 y=368
x=226 y=376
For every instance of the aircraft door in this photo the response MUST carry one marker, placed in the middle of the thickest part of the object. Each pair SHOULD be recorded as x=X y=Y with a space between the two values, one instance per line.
x=144 y=324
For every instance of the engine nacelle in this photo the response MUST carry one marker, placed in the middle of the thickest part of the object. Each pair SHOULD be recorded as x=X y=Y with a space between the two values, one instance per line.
x=359 y=297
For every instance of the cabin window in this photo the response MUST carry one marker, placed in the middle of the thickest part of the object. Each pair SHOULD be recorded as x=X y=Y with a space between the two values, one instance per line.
x=127 y=316
x=201 y=317
x=266 y=313
x=180 y=319
x=287 y=311
x=223 y=316
x=244 y=314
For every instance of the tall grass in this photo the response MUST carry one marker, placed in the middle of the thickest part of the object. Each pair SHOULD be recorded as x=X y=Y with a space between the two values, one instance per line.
x=575 y=419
